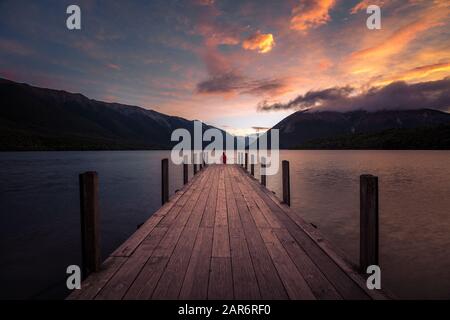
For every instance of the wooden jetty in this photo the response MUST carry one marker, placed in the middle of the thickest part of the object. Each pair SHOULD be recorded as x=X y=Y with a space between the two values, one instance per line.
x=225 y=236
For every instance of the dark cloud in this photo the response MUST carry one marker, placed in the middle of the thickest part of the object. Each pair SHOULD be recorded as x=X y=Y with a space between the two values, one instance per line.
x=395 y=96
x=233 y=82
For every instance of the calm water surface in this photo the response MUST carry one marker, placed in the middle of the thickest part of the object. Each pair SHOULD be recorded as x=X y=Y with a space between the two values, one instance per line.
x=39 y=219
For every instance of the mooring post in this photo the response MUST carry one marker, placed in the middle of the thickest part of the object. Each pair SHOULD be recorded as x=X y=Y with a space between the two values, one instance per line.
x=164 y=181
x=195 y=163
x=252 y=166
x=246 y=161
x=286 y=183
x=185 y=173
x=90 y=223
x=263 y=172
x=368 y=248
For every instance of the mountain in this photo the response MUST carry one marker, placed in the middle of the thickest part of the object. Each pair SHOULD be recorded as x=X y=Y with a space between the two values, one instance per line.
x=393 y=129
x=34 y=118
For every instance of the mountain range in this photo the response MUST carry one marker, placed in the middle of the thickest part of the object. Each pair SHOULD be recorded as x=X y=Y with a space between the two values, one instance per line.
x=33 y=118
x=390 y=129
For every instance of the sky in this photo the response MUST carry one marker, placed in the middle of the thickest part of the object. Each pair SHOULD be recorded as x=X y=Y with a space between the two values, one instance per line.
x=233 y=64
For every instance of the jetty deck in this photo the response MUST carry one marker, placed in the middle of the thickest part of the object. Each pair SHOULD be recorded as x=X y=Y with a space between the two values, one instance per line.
x=225 y=236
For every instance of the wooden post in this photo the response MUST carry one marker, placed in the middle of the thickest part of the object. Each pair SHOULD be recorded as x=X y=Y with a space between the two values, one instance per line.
x=164 y=181
x=252 y=166
x=263 y=172
x=185 y=173
x=90 y=223
x=286 y=183
x=195 y=163
x=368 y=249
x=246 y=161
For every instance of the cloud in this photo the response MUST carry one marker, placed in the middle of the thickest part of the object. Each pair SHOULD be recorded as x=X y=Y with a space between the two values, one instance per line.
x=401 y=37
x=223 y=83
x=259 y=41
x=311 y=14
x=395 y=96
x=14 y=47
x=420 y=72
x=362 y=6
x=310 y=99
x=232 y=82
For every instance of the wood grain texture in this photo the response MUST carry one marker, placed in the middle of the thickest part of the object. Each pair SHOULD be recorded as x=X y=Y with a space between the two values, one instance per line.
x=224 y=236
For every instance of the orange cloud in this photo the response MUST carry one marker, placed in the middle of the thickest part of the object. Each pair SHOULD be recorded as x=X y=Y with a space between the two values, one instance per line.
x=419 y=73
x=361 y=6
x=259 y=41
x=371 y=60
x=311 y=14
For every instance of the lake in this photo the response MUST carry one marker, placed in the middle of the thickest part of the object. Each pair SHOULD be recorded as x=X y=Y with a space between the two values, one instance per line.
x=40 y=227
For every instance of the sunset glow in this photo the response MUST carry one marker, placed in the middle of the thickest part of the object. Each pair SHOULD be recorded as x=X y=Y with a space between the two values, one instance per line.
x=216 y=61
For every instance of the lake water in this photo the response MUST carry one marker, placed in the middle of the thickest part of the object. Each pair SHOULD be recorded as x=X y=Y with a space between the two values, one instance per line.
x=40 y=228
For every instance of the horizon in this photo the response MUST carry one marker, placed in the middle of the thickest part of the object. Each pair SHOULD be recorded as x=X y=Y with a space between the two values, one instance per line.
x=207 y=60
x=258 y=130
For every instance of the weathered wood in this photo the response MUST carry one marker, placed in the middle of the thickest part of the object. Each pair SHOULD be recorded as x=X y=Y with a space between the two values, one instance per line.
x=244 y=278
x=118 y=285
x=246 y=161
x=263 y=172
x=220 y=279
x=368 y=254
x=225 y=236
x=331 y=267
x=195 y=284
x=164 y=181
x=269 y=282
x=185 y=173
x=286 y=183
x=90 y=223
x=169 y=285
x=295 y=284
x=96 y=281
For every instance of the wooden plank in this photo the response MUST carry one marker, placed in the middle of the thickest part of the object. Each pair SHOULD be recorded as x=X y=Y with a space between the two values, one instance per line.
x=258 y=217
x=220 y=279
x=221 y=207
x=208 y=219
x=96 y=281
x=221 y=242
x=195 y=284
x=172 y=215
x=145 y=283
x=128 y=247
x=320 y=286
x=334 y=253
x=296 y=286
x=149 y=277
x=118 y=285
x=269 y=282
x=339 y=279
x=170 y=283
x=244 y=279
